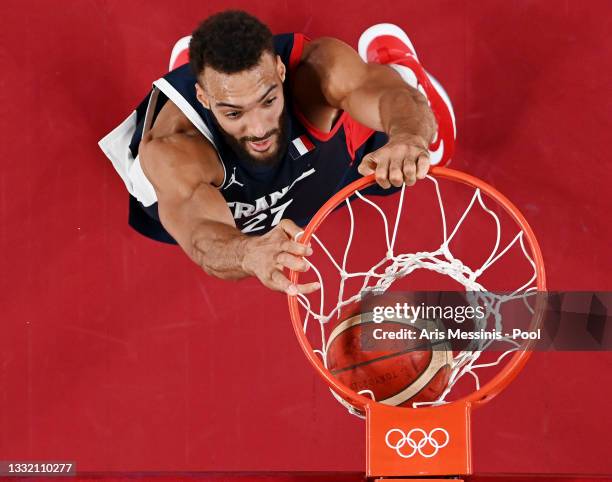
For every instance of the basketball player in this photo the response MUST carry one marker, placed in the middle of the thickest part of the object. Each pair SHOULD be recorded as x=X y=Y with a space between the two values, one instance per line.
x=230 y=155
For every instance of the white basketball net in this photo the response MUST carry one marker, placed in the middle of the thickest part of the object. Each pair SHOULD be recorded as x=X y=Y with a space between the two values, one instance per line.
x=395 y=265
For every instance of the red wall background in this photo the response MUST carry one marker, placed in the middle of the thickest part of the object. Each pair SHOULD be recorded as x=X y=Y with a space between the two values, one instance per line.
x=116 y=352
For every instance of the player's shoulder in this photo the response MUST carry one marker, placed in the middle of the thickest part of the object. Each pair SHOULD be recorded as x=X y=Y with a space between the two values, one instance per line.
x=179 y=162
x=326 y=49
x=172 y=131
x=169 y=121
x=173 y=153
x=337 y=65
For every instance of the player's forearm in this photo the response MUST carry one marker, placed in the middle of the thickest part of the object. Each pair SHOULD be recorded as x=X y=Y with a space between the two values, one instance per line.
x=405 y=111
x=219 y=249
x=392 y=107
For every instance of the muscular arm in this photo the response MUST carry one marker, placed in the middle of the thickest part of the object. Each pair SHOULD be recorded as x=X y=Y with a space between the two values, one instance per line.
x=184 y=169
x=191 y=209
x=376 y=96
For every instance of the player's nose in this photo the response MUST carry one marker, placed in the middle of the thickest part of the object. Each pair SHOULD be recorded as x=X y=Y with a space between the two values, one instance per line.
x=259 y=125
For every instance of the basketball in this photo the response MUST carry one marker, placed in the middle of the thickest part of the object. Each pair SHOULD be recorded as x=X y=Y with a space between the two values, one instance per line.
x=384 y=361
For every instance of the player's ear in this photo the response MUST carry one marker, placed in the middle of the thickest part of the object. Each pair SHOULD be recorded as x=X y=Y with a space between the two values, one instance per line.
x=201 y=95
x=280 y=68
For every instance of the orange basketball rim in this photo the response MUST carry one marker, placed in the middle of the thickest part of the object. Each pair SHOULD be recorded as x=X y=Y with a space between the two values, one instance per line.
x=428 y=441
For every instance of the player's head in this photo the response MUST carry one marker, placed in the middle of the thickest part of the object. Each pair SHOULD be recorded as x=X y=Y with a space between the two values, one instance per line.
x=240 y=79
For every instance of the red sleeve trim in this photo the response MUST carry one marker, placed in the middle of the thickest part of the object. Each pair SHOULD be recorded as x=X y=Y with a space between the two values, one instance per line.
x=299 y=40
x=356 y=135
x=316 y=132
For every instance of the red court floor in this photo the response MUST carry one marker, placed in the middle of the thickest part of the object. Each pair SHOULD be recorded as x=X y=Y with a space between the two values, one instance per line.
x=119 y=354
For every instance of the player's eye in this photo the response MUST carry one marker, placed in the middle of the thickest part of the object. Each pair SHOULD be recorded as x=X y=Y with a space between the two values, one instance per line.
x=232 y=115
x=270 y=101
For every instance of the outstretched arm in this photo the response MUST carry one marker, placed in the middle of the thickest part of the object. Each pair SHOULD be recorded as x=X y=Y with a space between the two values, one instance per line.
x=184 y=169
x=376 y=96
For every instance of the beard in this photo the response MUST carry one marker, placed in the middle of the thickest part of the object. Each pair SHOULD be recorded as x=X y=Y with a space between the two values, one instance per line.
x=238 y=145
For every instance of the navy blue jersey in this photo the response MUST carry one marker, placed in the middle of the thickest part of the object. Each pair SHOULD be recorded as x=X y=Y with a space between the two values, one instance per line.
x=315 y=166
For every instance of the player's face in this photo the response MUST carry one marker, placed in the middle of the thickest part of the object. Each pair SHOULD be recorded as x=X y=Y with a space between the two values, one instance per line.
x=249 y=108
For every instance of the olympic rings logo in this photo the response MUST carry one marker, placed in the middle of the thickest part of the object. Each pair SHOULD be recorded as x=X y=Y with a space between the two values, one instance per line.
x=418 y=441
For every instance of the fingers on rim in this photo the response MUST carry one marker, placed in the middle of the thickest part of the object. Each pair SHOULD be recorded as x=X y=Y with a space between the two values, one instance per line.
x=289 y=227
x=295 y=248
x=281 y=283
x=367 y=165
x=423 y=165
x=308 y=287
x=409 y=169
x=292 y=262
x=382 y=174
x=396 y=176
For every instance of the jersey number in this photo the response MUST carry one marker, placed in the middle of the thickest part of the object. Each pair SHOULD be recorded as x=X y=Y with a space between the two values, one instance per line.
x=255 y=224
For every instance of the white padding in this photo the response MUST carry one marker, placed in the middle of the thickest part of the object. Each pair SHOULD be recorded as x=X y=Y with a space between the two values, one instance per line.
x=116 y=147
x=191 y=114
x=143 y=189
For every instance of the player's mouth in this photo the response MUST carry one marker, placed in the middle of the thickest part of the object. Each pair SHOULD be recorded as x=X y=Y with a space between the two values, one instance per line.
x=261 y=146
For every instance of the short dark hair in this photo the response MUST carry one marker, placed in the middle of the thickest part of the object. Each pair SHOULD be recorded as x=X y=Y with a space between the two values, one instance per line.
x=229 y=42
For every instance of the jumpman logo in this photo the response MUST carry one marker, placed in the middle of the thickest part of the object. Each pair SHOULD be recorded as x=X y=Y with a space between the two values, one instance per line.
x=233 y=180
